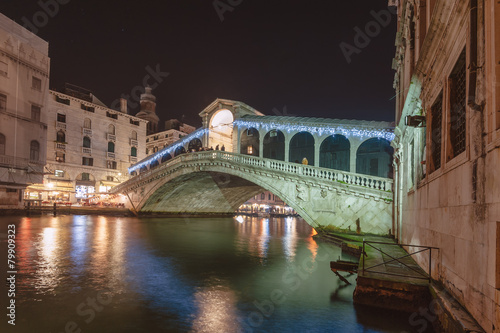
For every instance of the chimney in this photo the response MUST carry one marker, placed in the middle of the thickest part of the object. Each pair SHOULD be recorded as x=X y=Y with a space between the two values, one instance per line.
x=123 y=105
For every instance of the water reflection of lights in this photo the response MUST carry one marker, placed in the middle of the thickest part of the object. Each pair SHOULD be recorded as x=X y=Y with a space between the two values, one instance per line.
x=216 y=310
x=240 y=219
x=48 y=275
x=79 y=242
x=312 y=245
x=290 y=239
x=264 y=238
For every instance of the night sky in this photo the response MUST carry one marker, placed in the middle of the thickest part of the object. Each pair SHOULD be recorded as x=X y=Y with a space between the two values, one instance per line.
x=278 y=56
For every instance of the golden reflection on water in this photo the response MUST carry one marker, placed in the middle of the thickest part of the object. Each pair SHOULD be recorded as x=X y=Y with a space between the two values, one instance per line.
x=290 y=239
x=48 y=274
x=216 y=309
x=312 y=245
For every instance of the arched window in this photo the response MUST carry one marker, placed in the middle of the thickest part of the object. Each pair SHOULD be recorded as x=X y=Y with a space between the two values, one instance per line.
x=334 y=153
x=61 y=136
x=374 y=157
x=250 y=142
x=34 y=151
x=2 y=144
x=87 y=123
x=86 y=142
x=111 y=147
x=133 y=151
x=180 y=150
x=111 y=129
x=134 y=135
x=302 y=146
x=274 y=145
x=194 y=145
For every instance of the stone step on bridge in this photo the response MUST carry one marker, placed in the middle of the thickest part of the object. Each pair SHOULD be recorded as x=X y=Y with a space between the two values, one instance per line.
x=215 y=182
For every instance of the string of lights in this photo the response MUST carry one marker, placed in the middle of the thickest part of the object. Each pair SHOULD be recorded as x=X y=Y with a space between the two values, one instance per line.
x=320 y=130
x=169 y=149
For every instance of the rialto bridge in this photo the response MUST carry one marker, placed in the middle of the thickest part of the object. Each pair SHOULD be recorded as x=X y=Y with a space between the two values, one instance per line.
x=346 y=183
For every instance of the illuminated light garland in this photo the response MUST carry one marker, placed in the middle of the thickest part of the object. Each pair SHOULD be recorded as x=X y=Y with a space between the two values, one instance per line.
x=169 y=149
x=347 y=132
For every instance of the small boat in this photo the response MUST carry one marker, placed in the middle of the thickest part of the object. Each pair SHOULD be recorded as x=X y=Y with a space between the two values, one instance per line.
x=344 y=266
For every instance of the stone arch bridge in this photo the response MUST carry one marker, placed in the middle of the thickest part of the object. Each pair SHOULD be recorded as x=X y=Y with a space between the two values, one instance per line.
x=220 y=181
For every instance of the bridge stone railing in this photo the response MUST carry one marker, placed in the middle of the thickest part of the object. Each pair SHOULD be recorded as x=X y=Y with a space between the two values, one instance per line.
x=367 y=181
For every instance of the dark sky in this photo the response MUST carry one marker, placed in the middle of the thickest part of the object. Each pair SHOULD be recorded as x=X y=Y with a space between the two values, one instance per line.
x=278 y=56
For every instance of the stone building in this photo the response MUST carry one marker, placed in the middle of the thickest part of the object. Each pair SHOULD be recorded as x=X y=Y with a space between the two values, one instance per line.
x=265 y=203
x=174 y=131
x=447 y=184
x=24 y=86
x=89 y=147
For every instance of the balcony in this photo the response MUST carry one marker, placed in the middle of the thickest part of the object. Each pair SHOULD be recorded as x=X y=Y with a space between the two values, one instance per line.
x=133 y=142
x=111 y=137
x=86 y=150
x=110 y=156
x=133 y=159
x=87 y=131
x=60 y=146
x=60 y=125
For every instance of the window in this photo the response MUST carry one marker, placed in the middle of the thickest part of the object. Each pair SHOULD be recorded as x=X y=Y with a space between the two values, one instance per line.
x=59 y=173
x=134 y=135
x=61 y=136
x=458 y=100
x=111 y=147
x=269 y=196
x=87 y=123
x=34 y=151
x=110 y=178
x=2 y=144
x=35 y=113
x=436 y=133
x=87 y=161
x=61 y=117
x=111 y=129
x=133 y=151
x=86 y=142
x=111 y=164
x=36 y=83
x=62 y=100
x=262 y=196
x=60 y=157
x=85 y=176
x=4 y=68
x=87 y=108
x=134 y=122
x=250 y=150
x=111 y=115
x=3 y=102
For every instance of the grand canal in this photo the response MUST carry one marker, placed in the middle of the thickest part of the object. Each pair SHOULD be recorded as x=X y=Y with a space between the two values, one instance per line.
x=122 y=274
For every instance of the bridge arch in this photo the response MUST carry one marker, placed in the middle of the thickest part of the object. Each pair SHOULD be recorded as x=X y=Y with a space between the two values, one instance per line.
x=250 y=142
x=219 y=182
x=302 y=146
x=221 y=129
x=274 y=145
x=334 y=153
x=374 y=158
x=194 y=145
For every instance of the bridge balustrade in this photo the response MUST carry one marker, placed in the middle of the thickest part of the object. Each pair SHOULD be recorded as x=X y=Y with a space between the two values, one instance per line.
x=372 y=182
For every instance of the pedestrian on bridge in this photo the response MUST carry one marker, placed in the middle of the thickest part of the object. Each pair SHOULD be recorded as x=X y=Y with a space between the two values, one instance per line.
x=305 y=161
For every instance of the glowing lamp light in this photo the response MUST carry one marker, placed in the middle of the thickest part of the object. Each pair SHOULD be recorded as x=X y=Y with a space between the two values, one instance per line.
x=50 y=185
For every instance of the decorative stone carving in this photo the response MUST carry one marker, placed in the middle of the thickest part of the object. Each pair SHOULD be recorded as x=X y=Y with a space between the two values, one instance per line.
x=324 y=193
x=302 y=192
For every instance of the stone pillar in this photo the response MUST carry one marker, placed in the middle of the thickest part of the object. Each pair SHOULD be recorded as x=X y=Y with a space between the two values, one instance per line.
x=261 y=143
x=354 y=150
x=287 y=146
x=238 y=139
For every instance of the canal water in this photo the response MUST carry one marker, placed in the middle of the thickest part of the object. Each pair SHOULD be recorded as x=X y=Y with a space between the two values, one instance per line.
x=122 y=274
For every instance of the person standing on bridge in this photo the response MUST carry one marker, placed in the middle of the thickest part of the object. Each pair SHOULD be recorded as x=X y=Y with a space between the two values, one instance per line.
x=305 y=161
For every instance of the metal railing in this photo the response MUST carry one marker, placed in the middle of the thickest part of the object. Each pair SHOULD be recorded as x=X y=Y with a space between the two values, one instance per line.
x=420 y=273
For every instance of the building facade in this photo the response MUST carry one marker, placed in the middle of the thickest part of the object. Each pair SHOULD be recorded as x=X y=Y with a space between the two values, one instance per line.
x=24 y=86
x=89 y=148
x=174 y=131
x=265 y=203
x=148 y=111
x=447 y=184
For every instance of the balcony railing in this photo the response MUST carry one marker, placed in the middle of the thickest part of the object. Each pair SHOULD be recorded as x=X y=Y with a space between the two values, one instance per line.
x=87 y=131
x=110 y=155
x=133 y=142
x=60 y=125
x=133 y=159
x=60 y=146
x=111 y=137
x=86 y=150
